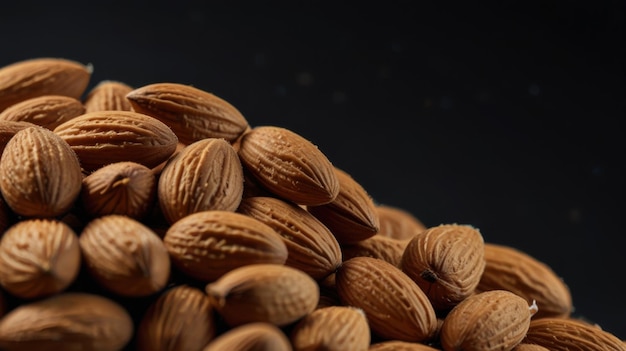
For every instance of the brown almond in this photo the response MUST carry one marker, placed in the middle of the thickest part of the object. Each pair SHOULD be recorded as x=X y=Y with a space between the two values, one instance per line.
x=446 y=261
x=40 y=175
x=47 y=110
x=103 y=137
x=394 y=305
x=351 y=216
x=180 y=319
x=8 y=130
x=529 y=347
x=398 y=223
x=67 y=321
x=492 y=320
x=397 y=345
x=30 y=78
x=288 y=165
x=311 y=246
x=508 y=268
x=205 y=245
x=205 y=175
x=378 y=246
x=108 y=95
x=270 y=293
x=332 y=328
x=125 y=256
x=192 y=113
x=38 y=258
x=567 y=334
x=256 y=336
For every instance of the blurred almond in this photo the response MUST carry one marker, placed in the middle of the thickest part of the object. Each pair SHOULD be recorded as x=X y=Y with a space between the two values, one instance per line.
x=255 y=336
x=566 y=334
x=398 y=223
x=108 y=95
x=47 y=110
x=378 y=246
x=397 y=345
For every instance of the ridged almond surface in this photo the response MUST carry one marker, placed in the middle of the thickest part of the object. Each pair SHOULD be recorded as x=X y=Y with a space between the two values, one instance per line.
x=289 y=165
x=351 y=216
x=192 y=113
x=394 y=305
x=332 y=328
x=378 y=246
x=396 y=345
x=398 y=223
x=38 y=258
x=255 y=336
x=508 y=268
x=34 y=77
x=529 y=347
x=566 y=334
x=205 y=175
x=40 y=175
x=67 y=321
x=205 y=245
x=492 y=320
x=270 y=293
x=47 y=110
x=108 y=95
x=125 y=256
x=446 y=261
x=311 y=246
x=180 y=319
x=8 y=130
x=104 y=137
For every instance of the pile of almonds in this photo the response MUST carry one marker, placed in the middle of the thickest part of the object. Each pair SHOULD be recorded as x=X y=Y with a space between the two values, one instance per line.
x=157 y=218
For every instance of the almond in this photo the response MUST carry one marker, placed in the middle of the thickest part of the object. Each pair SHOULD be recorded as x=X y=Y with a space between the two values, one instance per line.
x=492 y=320
x=311 y=246
x=8 y=130
x=192 y=113
x=30 y=78
x=125 y=256
x=352 y=215
x=67 y=321
x=378 y=246
x=205 y=245
x=289 y=165
x=446 y=261
x=103 y=137
x=180 y=319
x=47 y=110
x=205 y=175
x=38 y=258
x=40 y=175
x=108 y=95
x=332 y=328
x=255 y=336
x=529 y=347
x=270 y=293
x=394 y=305
x=566 y=334
x=511 y=269
x=398 y=223
x=397 y=345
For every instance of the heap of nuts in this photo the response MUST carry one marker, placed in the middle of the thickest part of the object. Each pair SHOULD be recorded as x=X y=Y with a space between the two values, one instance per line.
x=157 y=218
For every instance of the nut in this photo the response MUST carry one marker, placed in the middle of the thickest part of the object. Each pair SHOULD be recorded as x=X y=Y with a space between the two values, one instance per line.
x=396 y=345
x=255 y=336
x=378 y=246
x=398 y=223
x=8 y=130
x=108 y=95
x=566 y=334
x=47 y=110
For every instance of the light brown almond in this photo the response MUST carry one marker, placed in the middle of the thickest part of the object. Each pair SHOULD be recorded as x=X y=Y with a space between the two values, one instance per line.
x=396 y=345
x=566 y=334
x=205 y=245
x=103 y=137
x=529 y=347
x=108 y=95
x=255 y=336
x=378 y=246
x=192 y=113
x=40 y=175
x=34 y=77
x=47 y=110
x=398 y=223
x=311 y=246
x=289 y=165
x=8 y=130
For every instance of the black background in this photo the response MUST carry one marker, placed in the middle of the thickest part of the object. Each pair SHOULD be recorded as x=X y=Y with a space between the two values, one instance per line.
x=503 y=116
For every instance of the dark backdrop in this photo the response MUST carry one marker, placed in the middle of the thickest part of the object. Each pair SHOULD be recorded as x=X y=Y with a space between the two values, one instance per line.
x=506 y=117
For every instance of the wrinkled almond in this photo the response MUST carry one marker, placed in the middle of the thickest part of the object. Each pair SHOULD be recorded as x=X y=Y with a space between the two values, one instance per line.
x=566 y=334
x=397 y=345
x=398 y=223
x=378 y=246
x=108 y=95
x=8 y=130
x=47 y=110
x=255 y=336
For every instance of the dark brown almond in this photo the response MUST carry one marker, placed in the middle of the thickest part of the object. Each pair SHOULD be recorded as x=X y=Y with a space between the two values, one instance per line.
x=256 y=336
x=47 y=110
x=108 y=95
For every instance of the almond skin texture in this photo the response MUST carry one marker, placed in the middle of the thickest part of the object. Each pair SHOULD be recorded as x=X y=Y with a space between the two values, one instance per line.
x=396 y=308
x=67 y=321
x=311 y=246
x=205 y=175
x=30 y=78
x=332 y=328
x=510 y=269
x=398 y=223
x=192 y=113
x=40 y=175
x=103 y=137
x=446 y=261
x=180 y=319
x=207 y=244
x=47 y=110
x=395 y=345
x=492 y=320
x=38 y=258
x=125 y=256
x=565 y=334
x=8 y=130
x=123 y=188
x=288 y=165
x=352 y=215
x=529 y=347
x=270 y=293
x=378 y=246
x=108 y=95
x=256 y=336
